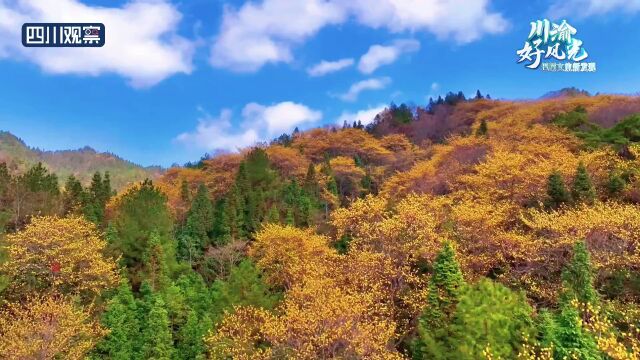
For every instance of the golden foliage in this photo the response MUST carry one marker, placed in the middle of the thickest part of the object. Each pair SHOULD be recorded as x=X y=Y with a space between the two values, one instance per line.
x=611 y=231
x=47 y=327
x=288 y=161
x=287 y=255
x=59 y=254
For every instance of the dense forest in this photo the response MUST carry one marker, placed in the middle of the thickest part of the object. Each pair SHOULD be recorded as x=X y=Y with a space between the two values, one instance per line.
x=469 y=228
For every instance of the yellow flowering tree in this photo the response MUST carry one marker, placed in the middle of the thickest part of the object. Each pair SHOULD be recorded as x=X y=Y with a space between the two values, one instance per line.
x=58 y=254
x=48 y=327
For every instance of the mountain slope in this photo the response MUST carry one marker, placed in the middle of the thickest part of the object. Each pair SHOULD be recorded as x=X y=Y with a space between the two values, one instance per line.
x=81 y=163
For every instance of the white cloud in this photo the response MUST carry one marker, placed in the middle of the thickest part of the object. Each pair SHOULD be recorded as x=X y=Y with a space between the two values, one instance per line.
x=266 y=32
x=279 y=118
x=257 y=34
x=365 y=116
x=258 y=123
x=379 y=55
x=326 y=67
x=583 y=8
x=141 y=43
x=435 y=86
x=368 y=84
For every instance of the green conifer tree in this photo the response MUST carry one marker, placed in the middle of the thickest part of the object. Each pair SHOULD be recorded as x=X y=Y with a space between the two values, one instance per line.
x=311 y=182
x=557 y=193
x=273 y=216
x=200 y=218
x=489 y=314
x=222 y=228
x=190 y=337
x=73 y=197
x=434 y=335
x=577 y=276
x=582 y=190
x=121 y=318
x=157 y=336
x=615 y=184
x=571 y=340
x=290 y=217
x=156 y=265
x=483 y=129
x=244 y=286
x=142 y=211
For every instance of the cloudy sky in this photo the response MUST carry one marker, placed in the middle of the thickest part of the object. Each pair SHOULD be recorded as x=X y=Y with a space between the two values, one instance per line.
x=177 y=79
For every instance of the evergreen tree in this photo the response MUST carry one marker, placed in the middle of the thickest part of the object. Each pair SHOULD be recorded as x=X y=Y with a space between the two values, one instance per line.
x=74 y=196
x=94 y=209
x=190 y=338
x=583 y=190
x=557 y=193
x=222 y=222
x=243 y=287
x=489 y=314
x=157 y=337
x=444 y=293
x=311 y=182
x=565 y=332
x=121 y=318
x=290 y=217
x=478 y=95
x=200 y=218
x=577 y=276
x=142 y=211
x=273 y=216
x=482 y=129
x=615 y=184
x=571 y=340
x=305 y=209
x=156 y=264
x=36 y=192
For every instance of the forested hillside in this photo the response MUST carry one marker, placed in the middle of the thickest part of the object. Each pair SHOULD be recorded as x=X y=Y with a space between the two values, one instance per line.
x=81 y=163
x=470 y=228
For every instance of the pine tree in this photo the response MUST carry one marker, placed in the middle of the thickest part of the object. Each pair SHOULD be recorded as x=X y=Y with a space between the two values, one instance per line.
x=190 y=338
x=478 y=95
x=141 y=212
x=565 y=332
x=222 y=222
x=615 y=184
x=156 y=265
x=482 y=129
x=489 y=314
x=121 y=318
x=107 y=192
x=200 y=218
x=157 y=337
x=243 y=287
x=577 y=276
x=583 y=190
x=273 y=216
x=444 y=293
x=571 y=340
x=74 y=196
x=290 y=217
x=305 y=209
x=556 y=191
x=444 y=287
x=311 y=185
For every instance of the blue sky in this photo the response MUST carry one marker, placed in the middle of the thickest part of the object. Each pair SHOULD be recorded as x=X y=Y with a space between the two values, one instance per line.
x=178 y=79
